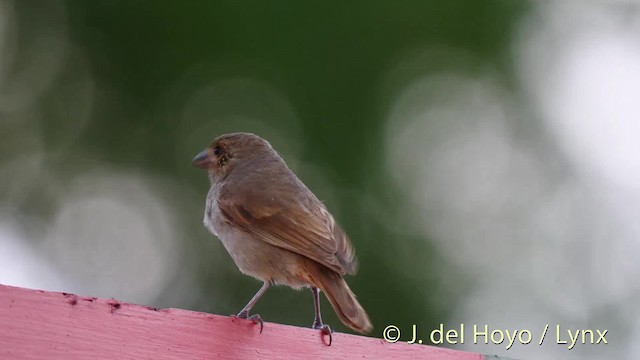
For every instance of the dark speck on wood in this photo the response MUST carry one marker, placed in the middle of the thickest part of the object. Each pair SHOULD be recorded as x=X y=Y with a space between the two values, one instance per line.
x=114 y=304
x=71 y=298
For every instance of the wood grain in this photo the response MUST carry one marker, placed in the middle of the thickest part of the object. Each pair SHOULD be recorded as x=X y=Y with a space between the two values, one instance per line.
x=37 y=324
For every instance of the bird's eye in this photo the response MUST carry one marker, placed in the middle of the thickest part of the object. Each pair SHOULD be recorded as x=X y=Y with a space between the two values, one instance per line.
x=217 y=150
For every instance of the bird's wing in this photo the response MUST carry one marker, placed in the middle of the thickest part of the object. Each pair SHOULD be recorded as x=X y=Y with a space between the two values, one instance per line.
x=295 y=222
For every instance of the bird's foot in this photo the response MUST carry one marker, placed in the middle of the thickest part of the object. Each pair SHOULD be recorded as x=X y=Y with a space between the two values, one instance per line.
x=255 y=318
x=324 y=330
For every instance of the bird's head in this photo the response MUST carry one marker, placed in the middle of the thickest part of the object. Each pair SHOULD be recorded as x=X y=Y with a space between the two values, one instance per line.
x=228 y=151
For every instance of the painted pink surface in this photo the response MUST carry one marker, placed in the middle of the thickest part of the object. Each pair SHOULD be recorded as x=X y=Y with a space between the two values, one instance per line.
x=37 y=324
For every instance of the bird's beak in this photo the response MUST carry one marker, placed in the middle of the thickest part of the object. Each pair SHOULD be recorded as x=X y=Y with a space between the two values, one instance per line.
x=202 y=160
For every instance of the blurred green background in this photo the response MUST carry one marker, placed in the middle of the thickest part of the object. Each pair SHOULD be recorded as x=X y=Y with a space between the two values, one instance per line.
x=470 y=149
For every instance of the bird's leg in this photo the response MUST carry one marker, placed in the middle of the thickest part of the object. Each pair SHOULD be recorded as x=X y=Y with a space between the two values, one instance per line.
x=244 y=313
x=317 y=322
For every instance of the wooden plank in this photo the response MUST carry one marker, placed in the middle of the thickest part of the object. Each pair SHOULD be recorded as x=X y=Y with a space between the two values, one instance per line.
x=37 y=324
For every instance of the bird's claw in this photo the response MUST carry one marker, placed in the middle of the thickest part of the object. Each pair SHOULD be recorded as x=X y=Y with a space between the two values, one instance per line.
x=257 y=319
x=324 y=330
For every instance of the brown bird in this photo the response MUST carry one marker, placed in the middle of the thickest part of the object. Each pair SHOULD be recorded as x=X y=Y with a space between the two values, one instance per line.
x=276 y=229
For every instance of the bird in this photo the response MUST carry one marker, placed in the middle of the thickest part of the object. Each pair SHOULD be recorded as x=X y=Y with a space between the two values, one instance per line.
x=276 y=230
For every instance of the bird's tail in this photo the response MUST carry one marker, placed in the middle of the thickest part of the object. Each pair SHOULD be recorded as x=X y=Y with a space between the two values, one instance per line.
x=341 y=297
